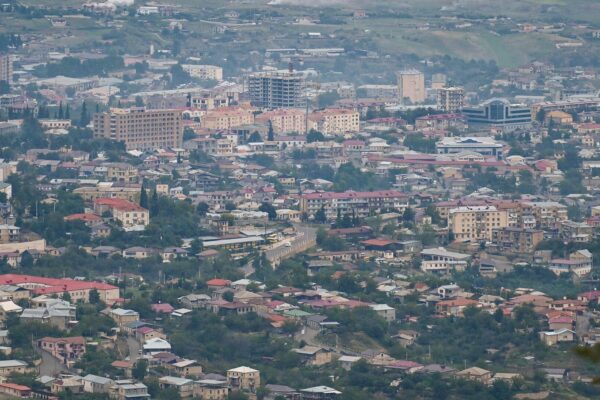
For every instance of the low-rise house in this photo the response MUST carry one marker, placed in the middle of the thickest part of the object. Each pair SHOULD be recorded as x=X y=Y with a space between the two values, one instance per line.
x=186 y=368
x=553 y=338
x=406 y=337
x=347 y=362
x=319 y=393
x=211 y=389
x=123 y=317
x=14 y=390
x=8 y=307
x=384 y=311
x=8 y=367
x=156 y=345
x=312 y=355
x=185 y=387
x=454 y=307
x=127 y=389
x=194 y=301
x=96 y=384
x=477 y=374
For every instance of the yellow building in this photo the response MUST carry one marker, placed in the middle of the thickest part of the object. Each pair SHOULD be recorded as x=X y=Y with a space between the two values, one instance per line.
x=558 y=117
x=243 y=378
x=284 y=120
x=335 y=121
x=129 y=214
x=411 y=86
x=141 y=129
x=476 y=223
x=227 y=118
x=204 y=72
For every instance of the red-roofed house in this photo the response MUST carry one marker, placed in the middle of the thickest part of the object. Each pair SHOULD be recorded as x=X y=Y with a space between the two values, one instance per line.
x=78 y=290
x=590 y=297
x=162 y=308
x=454 y=307
x=127 y=213
x=14 y=390
x=217 y=283
x=87 y=218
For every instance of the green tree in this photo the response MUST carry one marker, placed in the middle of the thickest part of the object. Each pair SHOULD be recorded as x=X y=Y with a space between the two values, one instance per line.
x=140 y=369
x=269 y=209
x=84 y=118
x=271 y=133
x=320 y=216
x=144 y=198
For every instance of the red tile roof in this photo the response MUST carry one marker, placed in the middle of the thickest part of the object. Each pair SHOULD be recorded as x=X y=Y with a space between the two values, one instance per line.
x=218 y=282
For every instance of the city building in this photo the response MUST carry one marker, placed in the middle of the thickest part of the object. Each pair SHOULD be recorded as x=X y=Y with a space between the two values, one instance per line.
x=288 y=120
x=77 y=290
x=486 y=146
x=204 y=72
x=411 y=86
x=440 y=122
x=334 y=121
x=499 y=113
x=67 y=349
x=6 y=68
x=359 y=204
x=450 y=99
x=516 y=240
x=276 y=89
x=127 y=389
x=227 y=118
x=243 y=378
x=9 y=233
x=440 y=260
x=476 y=223
x=130 y=215
x=141 y=129
x=547 y=214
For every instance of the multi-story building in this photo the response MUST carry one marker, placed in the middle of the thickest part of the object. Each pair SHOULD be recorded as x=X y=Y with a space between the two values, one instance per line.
x=129 y=214
x=284 y=121
x=360 y=204
x=211 y=389
x=6 y=68
x=334 y=121
x=141 y=129
x=227 y=118
x=499 y=113
x=127 y=389
x=379 y=91
x=9 y=233
x=91 y=193
x=547 y=214
x=475 y=224
x=580 y=232
x=516 y=240
x=486 y=146
x=121 y=172
x=243 y=378
x=440 y=121
x=450 y=99
x=440 y=260
x=276 y=89
x=411 y=86
x=67 y=349
x=77 y=290
x=204 y=72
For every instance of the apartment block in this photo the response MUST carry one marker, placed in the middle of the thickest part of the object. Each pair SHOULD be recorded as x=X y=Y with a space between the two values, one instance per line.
x=227 y=118
x=516 y=240
x=440 y=260
x=411 y=86
x=140 y=128
x=450 y=99
x=284 y=120
x=360 y=204
x=335 y=121
x=476 y=224
x=204 y=72
x=276 y=90
x=547 y=214
x=6 y=68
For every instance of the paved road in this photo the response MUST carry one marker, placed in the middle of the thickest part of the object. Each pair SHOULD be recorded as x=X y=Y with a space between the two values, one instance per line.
x=305 y=238
x=50 y=366
x=134 y=348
